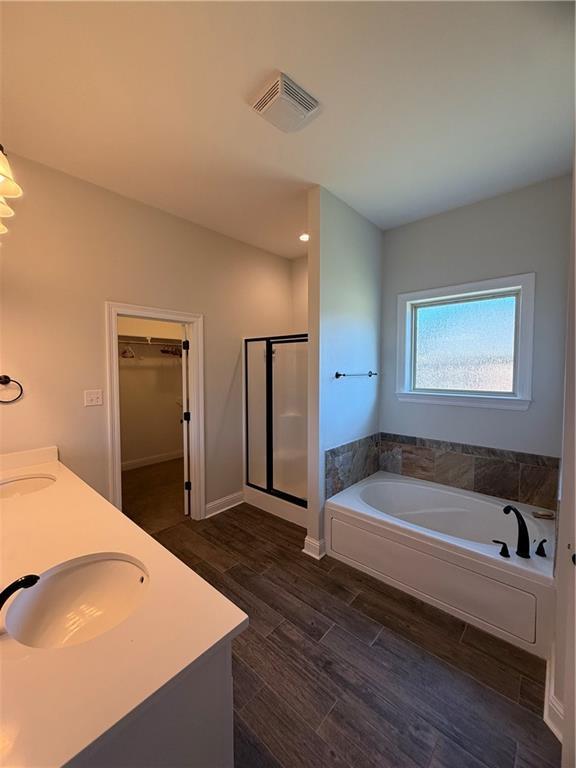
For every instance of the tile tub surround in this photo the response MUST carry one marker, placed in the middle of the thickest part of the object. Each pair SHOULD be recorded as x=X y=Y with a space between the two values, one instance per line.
x=348 y=464
x=524 y=477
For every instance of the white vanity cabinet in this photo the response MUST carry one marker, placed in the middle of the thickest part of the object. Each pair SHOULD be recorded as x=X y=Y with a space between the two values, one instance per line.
x=143 y=685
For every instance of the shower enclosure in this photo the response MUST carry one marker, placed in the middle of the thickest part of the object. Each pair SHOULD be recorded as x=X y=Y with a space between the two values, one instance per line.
x=275 y=386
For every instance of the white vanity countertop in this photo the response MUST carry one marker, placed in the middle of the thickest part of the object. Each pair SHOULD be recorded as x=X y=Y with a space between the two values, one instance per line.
x=56 y=701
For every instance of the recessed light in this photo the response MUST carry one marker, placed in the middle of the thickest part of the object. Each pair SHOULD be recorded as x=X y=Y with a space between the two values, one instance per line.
x=304 y=237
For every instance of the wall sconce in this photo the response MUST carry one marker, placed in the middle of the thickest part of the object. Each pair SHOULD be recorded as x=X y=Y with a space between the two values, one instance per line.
x=5 y=210
x=8 y=188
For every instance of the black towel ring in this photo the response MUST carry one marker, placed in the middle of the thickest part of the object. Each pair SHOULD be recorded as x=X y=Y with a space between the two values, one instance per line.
x=4 y=381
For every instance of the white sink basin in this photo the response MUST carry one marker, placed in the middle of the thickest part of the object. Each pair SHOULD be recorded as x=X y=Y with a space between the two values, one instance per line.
x=20 y=486
x=77 y=600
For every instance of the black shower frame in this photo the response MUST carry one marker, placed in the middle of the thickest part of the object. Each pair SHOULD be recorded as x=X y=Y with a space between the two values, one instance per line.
x=270 y=342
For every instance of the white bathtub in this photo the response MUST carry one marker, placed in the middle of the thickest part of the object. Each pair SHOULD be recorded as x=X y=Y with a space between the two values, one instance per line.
x=435 y=542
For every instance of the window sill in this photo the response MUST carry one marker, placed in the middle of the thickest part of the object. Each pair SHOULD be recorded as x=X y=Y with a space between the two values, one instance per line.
x=468 y=401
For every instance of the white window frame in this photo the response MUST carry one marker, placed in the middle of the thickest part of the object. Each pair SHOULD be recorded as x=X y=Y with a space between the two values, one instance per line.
x=520 y=399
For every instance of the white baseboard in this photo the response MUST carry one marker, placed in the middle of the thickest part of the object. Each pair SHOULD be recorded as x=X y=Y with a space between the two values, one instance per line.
x=553 y=707
x=147 y=460
x=554 y=716
x=315 y=548
x=226 y=502
x=275 y=506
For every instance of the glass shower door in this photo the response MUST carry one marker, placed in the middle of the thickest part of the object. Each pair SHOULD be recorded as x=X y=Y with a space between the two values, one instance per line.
x=275 y=411
x=289 y=414
x=255 y=362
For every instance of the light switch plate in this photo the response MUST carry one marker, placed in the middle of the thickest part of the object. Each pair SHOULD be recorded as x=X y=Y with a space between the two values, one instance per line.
x=92 y=397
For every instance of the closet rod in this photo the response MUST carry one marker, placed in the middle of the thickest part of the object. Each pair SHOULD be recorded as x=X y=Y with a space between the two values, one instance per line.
x=167 y=343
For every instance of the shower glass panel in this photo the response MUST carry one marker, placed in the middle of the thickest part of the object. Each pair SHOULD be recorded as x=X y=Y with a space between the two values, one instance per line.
x=289 y=390
x=275 y=371
x=256 y=413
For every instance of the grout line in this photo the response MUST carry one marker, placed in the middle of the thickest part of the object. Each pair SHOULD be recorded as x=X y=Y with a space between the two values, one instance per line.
x=520 y=690
x=351 y=603
x=433 y=751
x=162 y=530
x=265 y=571
x=377 y=636
x=331 y=567
x=260 y=679
x=461 y=671
x=353 y=597
x=296 y=714
x=334 y=624
x=540 y=713
x=495 y=657
x=304 y=576
x=325 y=717
x=283 y=619
x=319 y=641
x=262 y=742
x=515 y=763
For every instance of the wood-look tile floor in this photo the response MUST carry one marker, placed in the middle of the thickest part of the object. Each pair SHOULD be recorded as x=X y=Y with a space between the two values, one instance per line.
x=153 y=496
x=337 y=669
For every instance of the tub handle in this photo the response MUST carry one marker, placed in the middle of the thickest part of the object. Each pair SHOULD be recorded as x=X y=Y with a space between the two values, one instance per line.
x=540 y=548
x=504 y=549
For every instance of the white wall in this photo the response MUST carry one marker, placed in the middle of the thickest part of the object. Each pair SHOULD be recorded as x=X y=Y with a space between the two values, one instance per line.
x=150 y=395
x=345 y=267
x=300 y=294
x=350 y=311
x=161 y=329
x=524 y=231
x=71 y=247
x=560 y=705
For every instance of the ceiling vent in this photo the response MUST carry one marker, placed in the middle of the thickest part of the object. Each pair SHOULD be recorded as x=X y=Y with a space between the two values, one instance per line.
x=286 y=105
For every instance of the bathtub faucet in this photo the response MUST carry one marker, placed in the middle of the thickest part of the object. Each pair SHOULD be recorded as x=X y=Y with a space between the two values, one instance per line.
x=24 y=582
x=523 y=548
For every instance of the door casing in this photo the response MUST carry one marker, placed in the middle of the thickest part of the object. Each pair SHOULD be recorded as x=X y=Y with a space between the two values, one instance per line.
x=195 y=498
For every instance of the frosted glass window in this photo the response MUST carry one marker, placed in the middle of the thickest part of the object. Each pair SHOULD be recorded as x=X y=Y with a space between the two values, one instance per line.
x=465 y=346
x=468 y=344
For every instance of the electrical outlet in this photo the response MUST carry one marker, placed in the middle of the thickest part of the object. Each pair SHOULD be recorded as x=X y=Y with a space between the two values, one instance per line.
x=92 y=397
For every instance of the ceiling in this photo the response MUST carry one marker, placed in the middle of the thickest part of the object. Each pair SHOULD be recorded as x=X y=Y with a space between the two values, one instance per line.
x=426 y=106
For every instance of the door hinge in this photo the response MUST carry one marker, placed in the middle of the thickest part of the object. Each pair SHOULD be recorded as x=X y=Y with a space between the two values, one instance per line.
x=186 y=415
x=186 y=345
x=188 y=485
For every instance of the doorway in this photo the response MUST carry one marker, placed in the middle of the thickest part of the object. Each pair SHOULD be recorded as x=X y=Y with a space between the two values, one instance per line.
x=156 y=414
